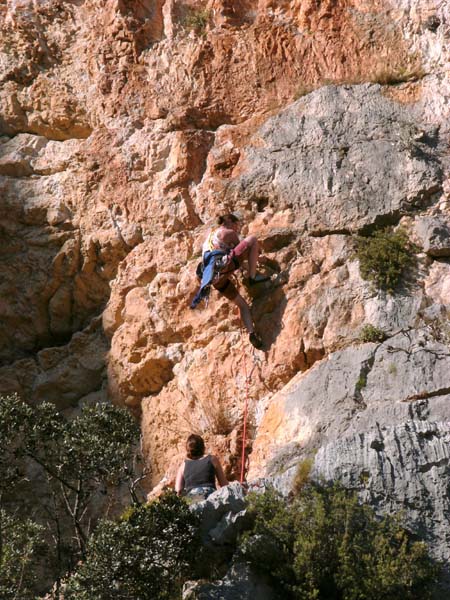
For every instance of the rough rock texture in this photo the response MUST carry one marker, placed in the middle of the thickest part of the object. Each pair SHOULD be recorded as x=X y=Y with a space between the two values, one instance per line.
x=402 y=469
x=435 y=236
x=341 y=159
x=222 y=519
x=222 y=515
x=239 y=582
x=127 y=127
x=375 y=417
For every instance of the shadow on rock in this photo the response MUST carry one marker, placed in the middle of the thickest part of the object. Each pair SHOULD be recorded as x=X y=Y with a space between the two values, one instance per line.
x=269 y=302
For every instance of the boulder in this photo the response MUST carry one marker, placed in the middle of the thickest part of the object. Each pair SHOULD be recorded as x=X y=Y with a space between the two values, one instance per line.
x=222 y=515
x=434 y=234
x=240 y=582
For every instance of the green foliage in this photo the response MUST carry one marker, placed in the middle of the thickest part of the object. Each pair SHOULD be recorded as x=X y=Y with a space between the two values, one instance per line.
x=94 y=448
x=197 y=20
x=321 y=545
x=324 y=545
x=361 y=383
x=148 y=553
x=98 y=444
x=383 y=257
x=302 y=474
x=19 y=543
x=370 y=333
x=77 y=467
x=270 y=544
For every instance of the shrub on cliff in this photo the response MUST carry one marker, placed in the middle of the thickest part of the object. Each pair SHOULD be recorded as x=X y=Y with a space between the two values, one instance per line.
x=383 y=257
x=370 y=333
x=197 y=20
x=324 y=545
x=148 y=553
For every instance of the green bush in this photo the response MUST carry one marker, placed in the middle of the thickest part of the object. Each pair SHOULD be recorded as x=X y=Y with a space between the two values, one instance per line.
x=324 y=545
x=302 y=474
x=20 y=542
x=383 y=257
x=370 y=333
x=361 y=383
x=197 y=20
x=148 y=553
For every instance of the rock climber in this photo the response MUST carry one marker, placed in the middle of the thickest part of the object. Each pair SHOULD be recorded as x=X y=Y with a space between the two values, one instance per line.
x=196 y=477
x=223 y=247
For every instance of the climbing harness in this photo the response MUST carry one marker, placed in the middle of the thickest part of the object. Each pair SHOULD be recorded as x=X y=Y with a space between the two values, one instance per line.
x=207 y=271
x=215 y=264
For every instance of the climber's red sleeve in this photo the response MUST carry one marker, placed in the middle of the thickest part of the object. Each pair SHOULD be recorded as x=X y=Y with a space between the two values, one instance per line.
x=240 y=251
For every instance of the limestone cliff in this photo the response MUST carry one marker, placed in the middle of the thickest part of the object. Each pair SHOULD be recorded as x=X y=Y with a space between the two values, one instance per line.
x=128 y=126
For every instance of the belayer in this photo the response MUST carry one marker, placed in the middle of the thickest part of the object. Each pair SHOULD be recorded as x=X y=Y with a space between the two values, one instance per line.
x=223 y=253
x=197 y=474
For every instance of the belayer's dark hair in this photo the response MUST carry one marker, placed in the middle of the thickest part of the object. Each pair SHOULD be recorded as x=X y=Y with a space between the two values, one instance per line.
x=228 y=217
x=195 y=446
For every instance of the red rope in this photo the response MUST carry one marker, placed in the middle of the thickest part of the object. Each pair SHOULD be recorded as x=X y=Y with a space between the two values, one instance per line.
x=244 y=428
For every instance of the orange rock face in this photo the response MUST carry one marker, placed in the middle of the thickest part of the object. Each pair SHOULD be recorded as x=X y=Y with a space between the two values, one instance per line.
x=127 y=128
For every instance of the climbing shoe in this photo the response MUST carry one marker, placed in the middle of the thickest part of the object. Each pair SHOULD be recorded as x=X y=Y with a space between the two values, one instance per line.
x=258 y=278
x=255 y=340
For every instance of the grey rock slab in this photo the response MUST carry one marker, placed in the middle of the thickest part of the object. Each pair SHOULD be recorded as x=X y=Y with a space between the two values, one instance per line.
x=436 y=313
x=377 y=413
x=222 y=514
x=399 y=469
x=353 y=387
x=408 y=366
x=391 y=313
x=342 y=158
x=239 y=583
x=434 y=234
x=437 y=282
x=322 y=403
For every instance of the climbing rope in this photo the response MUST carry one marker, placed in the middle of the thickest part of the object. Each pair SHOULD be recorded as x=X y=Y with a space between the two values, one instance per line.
x=244 y=425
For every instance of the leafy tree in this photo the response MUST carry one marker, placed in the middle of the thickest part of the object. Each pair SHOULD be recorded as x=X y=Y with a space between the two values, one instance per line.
x=146 y=554
x=67 y=471
x=324 y=545
x=19 y=543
